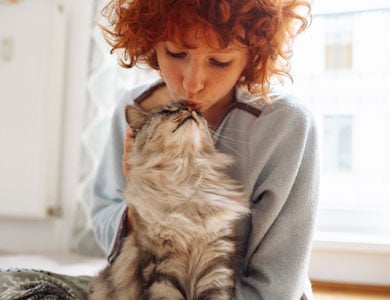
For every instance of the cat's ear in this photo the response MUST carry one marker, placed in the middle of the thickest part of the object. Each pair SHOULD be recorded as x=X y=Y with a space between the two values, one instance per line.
x=135 y=117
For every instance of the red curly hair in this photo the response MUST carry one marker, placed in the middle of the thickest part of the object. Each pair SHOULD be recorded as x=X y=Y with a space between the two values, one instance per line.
x=266 y=27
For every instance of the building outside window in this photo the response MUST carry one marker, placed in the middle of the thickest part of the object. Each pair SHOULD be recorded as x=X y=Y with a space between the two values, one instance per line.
x=338 y=43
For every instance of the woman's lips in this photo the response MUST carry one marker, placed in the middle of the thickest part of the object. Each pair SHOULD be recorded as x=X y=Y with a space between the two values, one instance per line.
x=192 y=104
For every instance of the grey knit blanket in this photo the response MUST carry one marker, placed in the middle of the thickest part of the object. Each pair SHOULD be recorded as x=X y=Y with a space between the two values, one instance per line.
x=30 y=284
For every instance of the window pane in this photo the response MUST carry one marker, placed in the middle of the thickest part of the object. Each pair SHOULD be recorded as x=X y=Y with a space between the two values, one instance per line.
x=338 y=143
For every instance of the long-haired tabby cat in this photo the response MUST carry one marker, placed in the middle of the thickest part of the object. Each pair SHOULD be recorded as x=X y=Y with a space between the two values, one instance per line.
x=182 y=243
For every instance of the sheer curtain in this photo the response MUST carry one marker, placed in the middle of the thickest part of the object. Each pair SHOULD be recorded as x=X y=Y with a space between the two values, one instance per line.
x=106 y=82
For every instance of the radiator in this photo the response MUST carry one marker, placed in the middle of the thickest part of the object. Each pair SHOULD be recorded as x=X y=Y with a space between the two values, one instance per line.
x=32 y=53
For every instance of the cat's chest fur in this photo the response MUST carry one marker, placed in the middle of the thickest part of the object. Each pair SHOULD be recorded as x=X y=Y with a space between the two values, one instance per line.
x=181 y=202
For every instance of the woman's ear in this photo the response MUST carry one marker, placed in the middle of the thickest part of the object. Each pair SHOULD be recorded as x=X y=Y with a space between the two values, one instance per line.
x=135 y=117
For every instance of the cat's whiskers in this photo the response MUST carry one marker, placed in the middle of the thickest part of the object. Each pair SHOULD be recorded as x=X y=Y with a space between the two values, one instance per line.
x=184 y=120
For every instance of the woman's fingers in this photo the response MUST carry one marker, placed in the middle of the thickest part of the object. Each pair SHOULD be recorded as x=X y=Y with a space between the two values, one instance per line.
x=127 y=145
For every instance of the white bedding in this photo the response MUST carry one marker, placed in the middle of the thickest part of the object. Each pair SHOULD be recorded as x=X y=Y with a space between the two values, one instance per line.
x=66 y=263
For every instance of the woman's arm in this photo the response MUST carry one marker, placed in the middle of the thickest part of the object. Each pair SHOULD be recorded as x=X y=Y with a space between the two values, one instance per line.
x=108 y=207
x=284 y=203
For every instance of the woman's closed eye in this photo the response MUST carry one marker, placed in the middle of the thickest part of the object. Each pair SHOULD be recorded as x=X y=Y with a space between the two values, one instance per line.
x=175 y=54
x=213 y=61
x=219 y=63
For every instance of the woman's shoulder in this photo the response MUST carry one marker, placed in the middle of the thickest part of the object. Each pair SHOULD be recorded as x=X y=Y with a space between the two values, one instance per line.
x=137 y=93
x=284 y=108
x=134 y=96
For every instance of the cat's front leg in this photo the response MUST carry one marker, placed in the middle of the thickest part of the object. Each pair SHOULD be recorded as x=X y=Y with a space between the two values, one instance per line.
x=163 y=290
x=119 y=281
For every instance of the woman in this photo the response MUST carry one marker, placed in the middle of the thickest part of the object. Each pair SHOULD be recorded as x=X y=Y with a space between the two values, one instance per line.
x=220 y=56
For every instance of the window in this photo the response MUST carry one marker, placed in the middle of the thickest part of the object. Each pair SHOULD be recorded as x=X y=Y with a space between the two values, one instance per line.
x=341 y=68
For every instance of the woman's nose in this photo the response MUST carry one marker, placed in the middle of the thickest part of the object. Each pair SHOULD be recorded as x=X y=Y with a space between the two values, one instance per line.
x=193 y=78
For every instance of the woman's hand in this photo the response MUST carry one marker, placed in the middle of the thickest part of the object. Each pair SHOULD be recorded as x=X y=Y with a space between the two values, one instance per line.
x=130 y=221
x=127 y=145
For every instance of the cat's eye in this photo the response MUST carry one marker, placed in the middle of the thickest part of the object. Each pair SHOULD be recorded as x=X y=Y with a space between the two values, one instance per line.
x=167 y=112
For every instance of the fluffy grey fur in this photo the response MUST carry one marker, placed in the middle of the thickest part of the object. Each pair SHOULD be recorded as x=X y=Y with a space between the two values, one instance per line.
x=182 y=244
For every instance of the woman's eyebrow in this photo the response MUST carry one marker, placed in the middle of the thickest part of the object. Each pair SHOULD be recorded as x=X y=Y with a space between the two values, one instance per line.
x=227 y=50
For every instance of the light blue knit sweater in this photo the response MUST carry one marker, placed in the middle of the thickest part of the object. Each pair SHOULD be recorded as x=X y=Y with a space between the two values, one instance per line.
x=275 y=149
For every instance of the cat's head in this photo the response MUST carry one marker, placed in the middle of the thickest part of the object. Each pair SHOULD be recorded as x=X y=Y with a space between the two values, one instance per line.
x=174 y=129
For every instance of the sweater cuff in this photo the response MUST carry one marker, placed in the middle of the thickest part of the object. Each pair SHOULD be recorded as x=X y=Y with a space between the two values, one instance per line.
x=120 y=234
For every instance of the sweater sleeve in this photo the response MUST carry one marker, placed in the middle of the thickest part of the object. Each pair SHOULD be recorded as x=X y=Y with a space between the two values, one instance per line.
x=108 y=207
x=108 y=211
x=284 y=168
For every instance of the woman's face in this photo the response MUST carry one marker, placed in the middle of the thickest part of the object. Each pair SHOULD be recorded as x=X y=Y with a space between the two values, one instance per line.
x=202 y=76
